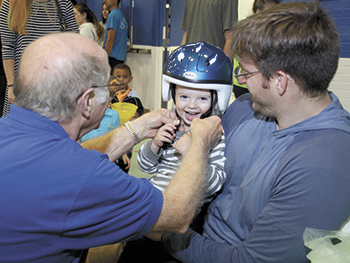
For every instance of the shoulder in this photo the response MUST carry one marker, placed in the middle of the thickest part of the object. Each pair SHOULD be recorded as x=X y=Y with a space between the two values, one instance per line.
x=239 y=111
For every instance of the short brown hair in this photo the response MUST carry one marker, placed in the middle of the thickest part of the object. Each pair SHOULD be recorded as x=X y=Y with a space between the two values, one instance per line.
x=298 y=38
x=122 y=66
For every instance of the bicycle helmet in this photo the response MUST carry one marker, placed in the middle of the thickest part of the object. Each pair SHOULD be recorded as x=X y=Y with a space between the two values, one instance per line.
x=199 y=65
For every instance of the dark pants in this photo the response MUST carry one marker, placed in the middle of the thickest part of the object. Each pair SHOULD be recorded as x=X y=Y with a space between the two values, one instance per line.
x=113 y=62
x=146 y=250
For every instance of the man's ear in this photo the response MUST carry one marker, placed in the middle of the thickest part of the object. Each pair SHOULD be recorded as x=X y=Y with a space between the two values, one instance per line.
x=282 y=82
x=85 y=103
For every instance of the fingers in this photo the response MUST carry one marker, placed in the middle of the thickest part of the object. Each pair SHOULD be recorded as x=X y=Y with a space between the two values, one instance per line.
x=209 y=130
x=166 y=134
x=148 y=124
x=167 y=116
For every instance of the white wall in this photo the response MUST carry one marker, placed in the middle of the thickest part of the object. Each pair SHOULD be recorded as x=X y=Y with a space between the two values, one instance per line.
x=147 y=71
x=340 y=84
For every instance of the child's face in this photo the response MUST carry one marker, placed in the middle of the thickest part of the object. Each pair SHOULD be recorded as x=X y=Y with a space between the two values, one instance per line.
x=124 y=78
x=191 y=103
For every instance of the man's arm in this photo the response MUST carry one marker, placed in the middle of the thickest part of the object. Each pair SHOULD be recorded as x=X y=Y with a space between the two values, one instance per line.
x=227 y=47
x=311 y=195
x=110 y=40
x=185 y=190
x=183 y=42
x=119 y=141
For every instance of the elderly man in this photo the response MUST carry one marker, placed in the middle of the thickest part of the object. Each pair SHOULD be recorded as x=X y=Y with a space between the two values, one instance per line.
x=287 y=144
x=58 y=199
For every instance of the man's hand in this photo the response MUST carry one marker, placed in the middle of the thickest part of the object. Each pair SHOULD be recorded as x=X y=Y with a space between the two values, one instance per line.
x=208 y=130
x=148 y=124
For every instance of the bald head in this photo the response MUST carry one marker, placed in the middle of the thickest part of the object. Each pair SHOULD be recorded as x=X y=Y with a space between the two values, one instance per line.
x=55 y=69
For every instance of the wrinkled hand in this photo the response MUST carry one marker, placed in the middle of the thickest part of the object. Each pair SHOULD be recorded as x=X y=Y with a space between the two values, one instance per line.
x=183 y=143
x=148 y=124
x=208 y=130
x=165 y=134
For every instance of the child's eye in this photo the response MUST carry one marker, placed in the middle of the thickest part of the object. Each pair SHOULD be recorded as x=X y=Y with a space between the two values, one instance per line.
x=183 y=97
x=203 y=99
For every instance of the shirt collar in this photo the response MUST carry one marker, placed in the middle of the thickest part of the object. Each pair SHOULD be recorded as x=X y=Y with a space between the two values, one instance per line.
x=33 y=120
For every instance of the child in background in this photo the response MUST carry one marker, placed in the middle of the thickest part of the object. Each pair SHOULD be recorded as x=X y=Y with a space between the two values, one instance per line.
x=116 y=38
x=124 y=96
x=198 y=77
x=125 y=93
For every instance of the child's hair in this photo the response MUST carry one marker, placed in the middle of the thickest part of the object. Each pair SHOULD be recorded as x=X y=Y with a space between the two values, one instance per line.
x=122 y=66
x=92 y=18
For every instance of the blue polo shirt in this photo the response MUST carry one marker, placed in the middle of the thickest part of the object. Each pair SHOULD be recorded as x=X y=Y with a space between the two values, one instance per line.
x=57 y=199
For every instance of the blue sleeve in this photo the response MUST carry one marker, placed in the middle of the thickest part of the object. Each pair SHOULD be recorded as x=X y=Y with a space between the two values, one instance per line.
x=111 y=207
x=113 y=20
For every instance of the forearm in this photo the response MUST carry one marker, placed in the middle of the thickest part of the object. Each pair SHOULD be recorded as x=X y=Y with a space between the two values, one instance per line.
x=120 y=140
x=9 y=68
x=108 y=47
x=114 y=143
x=183 y=42
x=228 y=41
x=110 y=41
x=184 y=192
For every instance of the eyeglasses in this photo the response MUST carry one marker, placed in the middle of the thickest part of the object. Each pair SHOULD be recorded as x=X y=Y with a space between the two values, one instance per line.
x=238 y=74
x=111 y=87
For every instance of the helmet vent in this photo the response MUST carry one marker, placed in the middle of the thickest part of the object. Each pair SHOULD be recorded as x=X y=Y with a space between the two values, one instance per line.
x=210 y=60
x=181 y=57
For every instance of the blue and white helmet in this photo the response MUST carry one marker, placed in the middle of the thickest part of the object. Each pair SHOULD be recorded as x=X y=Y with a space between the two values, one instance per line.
x=199 y=65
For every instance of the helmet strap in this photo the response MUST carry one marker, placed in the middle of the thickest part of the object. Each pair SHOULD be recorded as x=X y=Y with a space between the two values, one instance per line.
x=214 y=101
